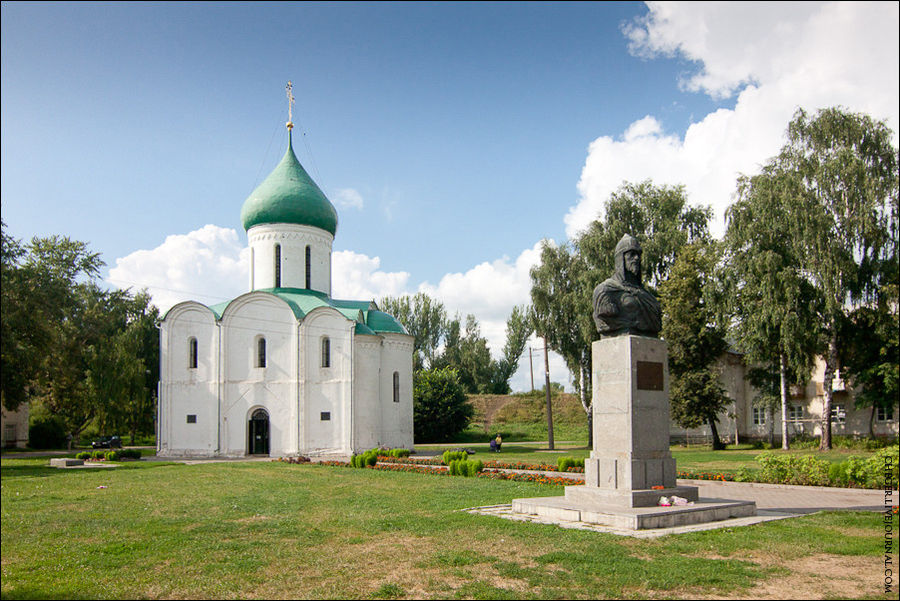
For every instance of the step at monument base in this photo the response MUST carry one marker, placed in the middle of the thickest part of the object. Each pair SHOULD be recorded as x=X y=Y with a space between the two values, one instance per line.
x=628 y=498
x=564 y=509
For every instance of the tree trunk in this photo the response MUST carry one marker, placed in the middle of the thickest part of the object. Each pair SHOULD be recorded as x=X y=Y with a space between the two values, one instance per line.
x=872 y=422
x=588 y=407
x=785 y=399
x=716 y=442
x=827 y=383
x=770 y=426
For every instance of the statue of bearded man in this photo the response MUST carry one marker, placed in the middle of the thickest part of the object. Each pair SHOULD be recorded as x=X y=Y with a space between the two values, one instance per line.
x=621 y=304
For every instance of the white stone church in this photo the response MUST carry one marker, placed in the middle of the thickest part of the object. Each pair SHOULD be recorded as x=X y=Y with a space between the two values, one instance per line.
x=284 y=369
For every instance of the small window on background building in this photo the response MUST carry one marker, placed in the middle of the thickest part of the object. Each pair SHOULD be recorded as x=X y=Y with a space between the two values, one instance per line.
x=884 y=414
x=191 y=419
x=838 y=414
x=308 y=268
x=396 y=386
x=278 y=266
x=192 y=361
x=261 y=352
x=326 y=352
x=759 y=416
x=795 y=413
x=326 y=416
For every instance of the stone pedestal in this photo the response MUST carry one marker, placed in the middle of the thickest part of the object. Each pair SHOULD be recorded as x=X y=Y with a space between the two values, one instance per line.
x=631 y=425
x=631 y=466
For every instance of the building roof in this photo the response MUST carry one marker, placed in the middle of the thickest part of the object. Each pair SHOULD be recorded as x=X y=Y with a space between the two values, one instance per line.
x=289 y=195
x=369 y=320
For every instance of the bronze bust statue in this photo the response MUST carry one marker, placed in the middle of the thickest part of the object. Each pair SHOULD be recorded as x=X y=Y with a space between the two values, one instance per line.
x=621 y=303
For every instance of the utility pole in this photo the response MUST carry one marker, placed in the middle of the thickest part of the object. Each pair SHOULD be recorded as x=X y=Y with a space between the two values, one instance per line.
x=547 y=388
x=531 y=368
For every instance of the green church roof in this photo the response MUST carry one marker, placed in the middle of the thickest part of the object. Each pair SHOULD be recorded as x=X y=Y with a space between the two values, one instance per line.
x=382 y=322
x=289 y=195
x=368 y=319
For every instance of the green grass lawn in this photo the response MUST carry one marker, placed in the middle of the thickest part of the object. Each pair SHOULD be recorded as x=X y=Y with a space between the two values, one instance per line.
x=265 y=529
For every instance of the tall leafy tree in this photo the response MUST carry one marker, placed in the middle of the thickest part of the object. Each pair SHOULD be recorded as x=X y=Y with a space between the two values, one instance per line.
x=519 y=327
x=41 y=284
x=561 y=309
x=466 y=352
x=845 y=218
x=658 y=216
x=425 y=319
x=695 y=340
x=870 y=354
x=562 y=284
x=772 y=303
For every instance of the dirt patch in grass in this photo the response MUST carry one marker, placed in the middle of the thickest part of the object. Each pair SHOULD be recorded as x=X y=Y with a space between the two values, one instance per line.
x=821 y=576
x=251 y=519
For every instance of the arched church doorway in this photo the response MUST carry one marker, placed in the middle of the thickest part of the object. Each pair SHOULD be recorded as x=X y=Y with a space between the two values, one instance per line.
x=258 y=430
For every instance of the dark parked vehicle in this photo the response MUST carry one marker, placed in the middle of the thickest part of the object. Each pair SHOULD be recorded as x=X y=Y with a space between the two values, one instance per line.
x=107 y=442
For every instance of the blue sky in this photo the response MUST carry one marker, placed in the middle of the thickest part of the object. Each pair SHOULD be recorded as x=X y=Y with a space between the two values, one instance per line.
x=451 y=137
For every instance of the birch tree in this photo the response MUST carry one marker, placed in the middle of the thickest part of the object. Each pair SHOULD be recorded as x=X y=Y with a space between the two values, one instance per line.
x=844 y=221
x=772 y=304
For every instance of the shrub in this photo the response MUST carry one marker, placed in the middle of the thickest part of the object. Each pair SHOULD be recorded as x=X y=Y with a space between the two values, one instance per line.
x=83 y=455
x=793 y=469
x=399 y=453
x=47 y=433
x=98 y=455
x=440 y=408
x=370 y=457
x=474 y=467
x=449 y=456
x=111 y=456
x=564 y=463
x=129 y=453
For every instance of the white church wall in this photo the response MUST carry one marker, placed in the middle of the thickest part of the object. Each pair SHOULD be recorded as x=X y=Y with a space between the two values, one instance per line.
x=293 y=240
x=367 y=418
x=397 y=417
x=188 y=417
x=247 y=386
x=326 y=391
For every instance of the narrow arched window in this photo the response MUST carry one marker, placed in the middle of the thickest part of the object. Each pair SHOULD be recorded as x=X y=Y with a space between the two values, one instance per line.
x=261 y=352
x=192 y=353
x=308 y=268
x=396 y=386
x=326 y=352
x=278 y=266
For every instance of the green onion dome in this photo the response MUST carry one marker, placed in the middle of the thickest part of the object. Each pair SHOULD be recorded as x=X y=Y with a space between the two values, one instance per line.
x=289 y=195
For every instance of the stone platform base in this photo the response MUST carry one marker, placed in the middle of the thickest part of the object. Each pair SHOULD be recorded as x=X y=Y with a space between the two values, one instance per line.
x=65 y=462
x=633 y=518
x=628 y=498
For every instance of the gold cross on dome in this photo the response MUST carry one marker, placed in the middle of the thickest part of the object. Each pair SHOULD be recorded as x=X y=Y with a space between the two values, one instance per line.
x=290 y=96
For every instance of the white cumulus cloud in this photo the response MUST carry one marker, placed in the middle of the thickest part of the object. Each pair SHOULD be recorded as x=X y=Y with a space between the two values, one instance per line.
x=356 y=276
x=776 y=57
x=208 y=265
x=348 y=198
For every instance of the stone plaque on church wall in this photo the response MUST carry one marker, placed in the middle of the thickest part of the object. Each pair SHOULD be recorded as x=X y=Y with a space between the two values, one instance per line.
x=650 y=375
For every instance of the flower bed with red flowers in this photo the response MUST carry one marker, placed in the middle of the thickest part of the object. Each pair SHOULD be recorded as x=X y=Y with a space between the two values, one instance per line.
x=493 y=475
x=720 y=476
x=490 y=463
x=416 y=469
x=411 y=460
x=537 y=478
x=520 y=465
x=392 y=465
